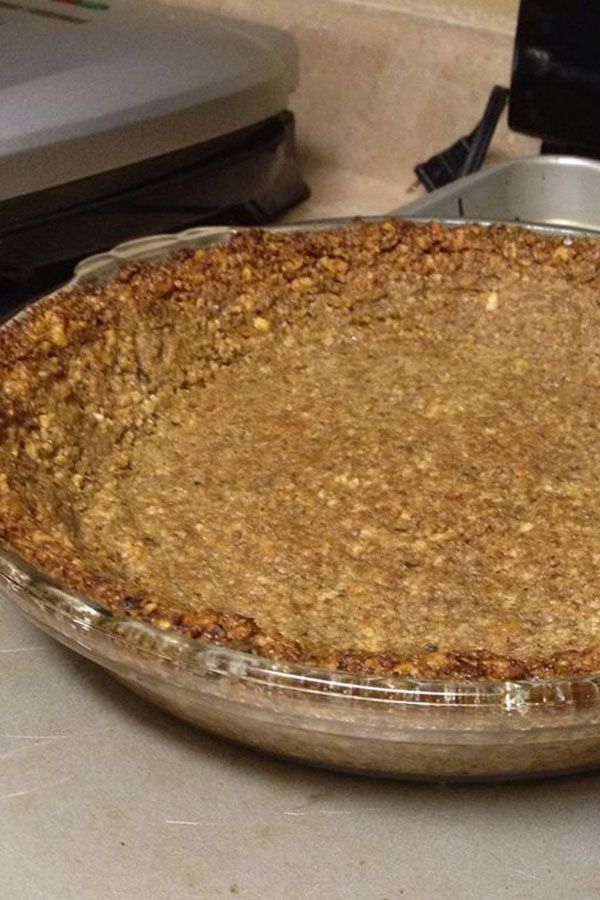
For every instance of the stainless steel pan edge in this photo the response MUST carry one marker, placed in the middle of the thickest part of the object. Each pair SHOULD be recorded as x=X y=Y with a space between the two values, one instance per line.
x=550 y=190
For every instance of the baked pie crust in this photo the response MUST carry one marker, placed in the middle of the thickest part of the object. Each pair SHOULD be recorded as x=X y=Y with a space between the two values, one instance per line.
x=373 y=449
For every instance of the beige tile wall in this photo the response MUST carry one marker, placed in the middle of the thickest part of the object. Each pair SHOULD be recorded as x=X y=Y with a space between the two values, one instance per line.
x=381 y=89
x=493 y=15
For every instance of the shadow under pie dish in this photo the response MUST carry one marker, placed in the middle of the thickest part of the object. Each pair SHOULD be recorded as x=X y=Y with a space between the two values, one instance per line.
x=350 y=472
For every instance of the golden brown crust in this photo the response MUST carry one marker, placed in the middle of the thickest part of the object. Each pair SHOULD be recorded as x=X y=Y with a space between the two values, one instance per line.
x=119 y=344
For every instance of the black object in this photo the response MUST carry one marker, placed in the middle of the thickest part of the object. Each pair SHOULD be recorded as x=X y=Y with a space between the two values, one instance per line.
x=245 y=178
x=467 y=154
x=555 y=89
x=554 y=93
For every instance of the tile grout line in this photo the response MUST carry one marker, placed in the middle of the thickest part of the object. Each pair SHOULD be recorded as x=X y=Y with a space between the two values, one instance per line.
x=500 y=26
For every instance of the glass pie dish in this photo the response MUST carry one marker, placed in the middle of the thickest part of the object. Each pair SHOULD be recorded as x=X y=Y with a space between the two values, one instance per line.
x=387 y=726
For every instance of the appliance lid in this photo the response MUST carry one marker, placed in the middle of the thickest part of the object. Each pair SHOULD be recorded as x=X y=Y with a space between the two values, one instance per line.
x=88 y=87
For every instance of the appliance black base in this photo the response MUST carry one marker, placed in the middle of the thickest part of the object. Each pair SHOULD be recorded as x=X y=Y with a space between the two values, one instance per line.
x=246 y=178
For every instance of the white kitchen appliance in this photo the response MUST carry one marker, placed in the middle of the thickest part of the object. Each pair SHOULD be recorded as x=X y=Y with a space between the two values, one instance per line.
x=134 y=117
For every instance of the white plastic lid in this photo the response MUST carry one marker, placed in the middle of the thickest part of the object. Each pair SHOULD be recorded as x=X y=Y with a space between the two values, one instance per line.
x=92 y=87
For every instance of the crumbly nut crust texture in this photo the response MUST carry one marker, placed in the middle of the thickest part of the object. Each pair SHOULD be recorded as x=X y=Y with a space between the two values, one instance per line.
x=374 y=449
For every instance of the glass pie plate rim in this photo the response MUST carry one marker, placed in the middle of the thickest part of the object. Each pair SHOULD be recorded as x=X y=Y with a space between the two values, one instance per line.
x=159 y=664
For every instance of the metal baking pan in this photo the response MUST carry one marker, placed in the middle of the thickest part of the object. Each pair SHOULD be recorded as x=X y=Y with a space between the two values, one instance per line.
x=547 y=190
x=385 y=726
